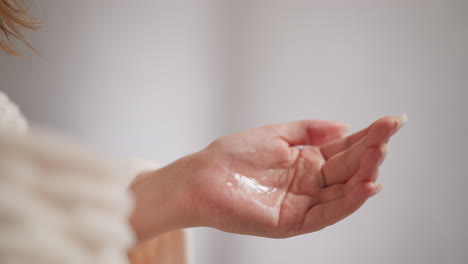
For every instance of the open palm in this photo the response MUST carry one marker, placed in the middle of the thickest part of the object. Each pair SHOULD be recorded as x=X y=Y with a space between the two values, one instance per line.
x=289 y=179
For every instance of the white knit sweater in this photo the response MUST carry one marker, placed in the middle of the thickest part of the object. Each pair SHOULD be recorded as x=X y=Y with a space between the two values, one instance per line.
x=60 y=202
x=10 y=117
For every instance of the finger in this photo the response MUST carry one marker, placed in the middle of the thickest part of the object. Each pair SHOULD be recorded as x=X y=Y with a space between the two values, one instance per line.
x=346 y=198
x=333 y=192
x=336 y=146
x=310 y=132
x=339 y=168
x=368 y=172
x=368 y=167
x=326 y=214
x=332 y=148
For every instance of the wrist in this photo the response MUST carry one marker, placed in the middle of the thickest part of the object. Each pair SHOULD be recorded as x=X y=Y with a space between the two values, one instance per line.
x=162 y=200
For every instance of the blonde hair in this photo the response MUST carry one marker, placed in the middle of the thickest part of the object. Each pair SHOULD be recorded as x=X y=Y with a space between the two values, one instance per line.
x=13 y=19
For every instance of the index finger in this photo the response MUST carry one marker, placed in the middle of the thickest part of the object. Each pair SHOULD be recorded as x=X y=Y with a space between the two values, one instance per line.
x=332 y=148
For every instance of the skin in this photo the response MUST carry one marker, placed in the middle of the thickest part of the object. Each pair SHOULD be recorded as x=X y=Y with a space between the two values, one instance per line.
x=258 y=182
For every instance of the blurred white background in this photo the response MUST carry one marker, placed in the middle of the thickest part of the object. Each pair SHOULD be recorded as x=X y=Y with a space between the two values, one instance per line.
x=161 y=79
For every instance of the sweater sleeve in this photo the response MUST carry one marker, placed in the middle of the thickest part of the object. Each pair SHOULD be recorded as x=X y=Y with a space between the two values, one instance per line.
x=60 y=201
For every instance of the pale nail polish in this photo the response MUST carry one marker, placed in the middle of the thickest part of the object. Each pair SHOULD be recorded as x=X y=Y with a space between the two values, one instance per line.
x=401 y=121
x=383 y=149
x=346 y=129
x=378 y=188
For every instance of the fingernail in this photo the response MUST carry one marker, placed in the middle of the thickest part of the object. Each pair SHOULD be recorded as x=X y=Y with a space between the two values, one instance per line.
x=346 y=128
x=401 y=121
x=378 y=188
x=383 y=150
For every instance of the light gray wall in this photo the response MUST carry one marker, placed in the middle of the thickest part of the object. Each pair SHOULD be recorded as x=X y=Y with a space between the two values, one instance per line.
x=163 y=78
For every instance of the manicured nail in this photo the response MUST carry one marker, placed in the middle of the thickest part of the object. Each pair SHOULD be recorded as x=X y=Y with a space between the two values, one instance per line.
x=378 y=188
x=346 y=128
x=383 y=149
x=401 y=121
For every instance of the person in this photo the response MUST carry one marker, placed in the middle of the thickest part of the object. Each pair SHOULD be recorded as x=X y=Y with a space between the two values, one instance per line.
x=274 y=181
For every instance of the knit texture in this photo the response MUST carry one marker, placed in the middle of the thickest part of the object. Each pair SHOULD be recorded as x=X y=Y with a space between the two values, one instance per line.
x=60 y=202
x=11 y=118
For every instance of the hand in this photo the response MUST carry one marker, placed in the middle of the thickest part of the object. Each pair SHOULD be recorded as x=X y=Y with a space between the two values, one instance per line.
x=259 y=182
x=273 y=181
